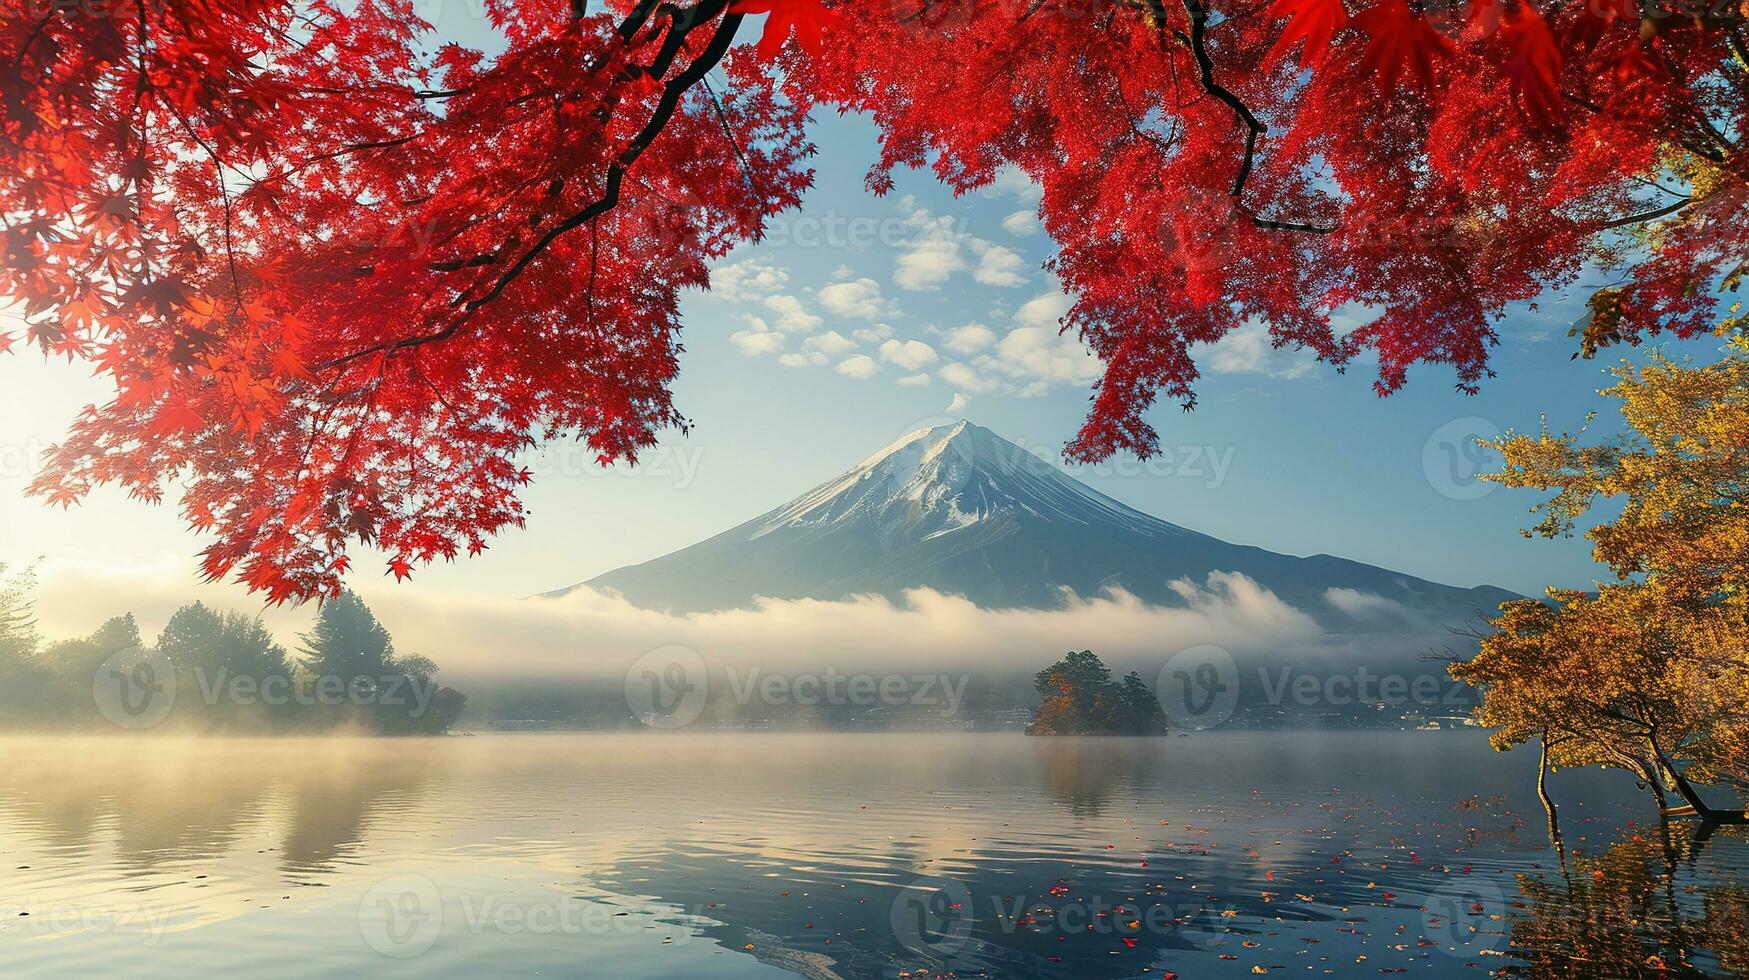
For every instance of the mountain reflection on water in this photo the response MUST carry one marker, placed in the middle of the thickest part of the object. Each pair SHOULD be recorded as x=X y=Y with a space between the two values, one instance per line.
x=1234 y=853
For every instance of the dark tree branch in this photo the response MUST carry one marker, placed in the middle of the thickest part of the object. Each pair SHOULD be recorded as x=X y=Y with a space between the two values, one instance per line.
x=1270 y=224
x=683 y=22
x=1199 y=17
x=1634 y=219
x=1197 y=41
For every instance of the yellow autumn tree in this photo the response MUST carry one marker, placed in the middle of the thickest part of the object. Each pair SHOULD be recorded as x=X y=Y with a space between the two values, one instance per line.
x=1650 y=673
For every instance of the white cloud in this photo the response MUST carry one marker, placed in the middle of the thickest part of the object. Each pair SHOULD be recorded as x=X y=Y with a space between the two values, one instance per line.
x=1029 y=360
x=858 y=366
x=1367 y=605
x=970 y=339
x=912 y=355
x=858 y=297
x=1021 y=223
x=933 y=254
x=1042 y=357
x=964 y=376
x=997 y=266
x=748 y=279
x=792 y=317
x=913 y=380
x=1014 y=181
x=956 y=405
x=753 y=343
x=810 y=359
x=830 y=342
x=1248 y=350
x=1044 y=310
x=937 y=251
x=874 y=334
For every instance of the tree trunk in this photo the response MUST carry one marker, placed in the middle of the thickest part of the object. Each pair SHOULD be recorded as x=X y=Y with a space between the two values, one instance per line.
x=1542 y=790
x=1696 y=806
x=1649 y=775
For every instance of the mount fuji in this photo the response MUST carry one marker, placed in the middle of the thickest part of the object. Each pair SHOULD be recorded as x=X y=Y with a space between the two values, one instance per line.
x=958 y=509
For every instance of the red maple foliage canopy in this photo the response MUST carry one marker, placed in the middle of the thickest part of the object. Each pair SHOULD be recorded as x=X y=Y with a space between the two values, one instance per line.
x=342 y=274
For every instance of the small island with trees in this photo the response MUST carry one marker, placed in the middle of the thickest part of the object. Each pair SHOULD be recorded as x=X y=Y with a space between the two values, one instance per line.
x=1080 y=698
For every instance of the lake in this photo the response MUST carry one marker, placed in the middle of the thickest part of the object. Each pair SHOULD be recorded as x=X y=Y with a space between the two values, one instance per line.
x=1217 y=854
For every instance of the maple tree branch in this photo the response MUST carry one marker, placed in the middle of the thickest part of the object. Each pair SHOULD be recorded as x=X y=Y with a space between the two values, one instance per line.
x=729 y=134
x=676 y=88
x=1653 y=183
x=1271 y=224
x=628 y=29
x=1254 y=127
x=224 y=195
x=1734 y=33
x=1633 y=219
x=282 y=175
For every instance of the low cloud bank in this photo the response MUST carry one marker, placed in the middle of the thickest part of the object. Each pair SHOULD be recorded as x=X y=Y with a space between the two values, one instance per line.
x=590 y=635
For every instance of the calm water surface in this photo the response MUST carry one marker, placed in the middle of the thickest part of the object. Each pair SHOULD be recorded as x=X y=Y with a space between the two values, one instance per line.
x=1213 y=855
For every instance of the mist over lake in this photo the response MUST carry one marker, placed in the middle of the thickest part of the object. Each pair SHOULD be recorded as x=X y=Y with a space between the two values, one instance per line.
x=857 y=856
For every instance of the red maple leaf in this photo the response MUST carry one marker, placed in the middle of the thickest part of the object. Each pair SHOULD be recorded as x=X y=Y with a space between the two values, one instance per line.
x=1313 y=21
x=1484 y=18
x=807 y=19
x=1401 y=42
x=1595 y=17
x=1533 y=64
x=1635 y=62
x=175 y=418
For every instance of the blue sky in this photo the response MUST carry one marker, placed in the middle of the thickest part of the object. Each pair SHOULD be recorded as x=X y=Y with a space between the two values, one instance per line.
x=1282 y=452
x=862 y=318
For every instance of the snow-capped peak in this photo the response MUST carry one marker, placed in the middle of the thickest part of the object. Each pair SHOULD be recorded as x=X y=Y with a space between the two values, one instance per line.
x=938 y=480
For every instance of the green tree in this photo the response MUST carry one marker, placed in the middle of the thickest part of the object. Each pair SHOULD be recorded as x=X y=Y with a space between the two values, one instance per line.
x=75 y=663
x=1080 y=698
x=1139 y=707
x=23 y=678
x=447 y=705
x=212 y=651
x=199 y=638
x=347 y=641
x=390 y=693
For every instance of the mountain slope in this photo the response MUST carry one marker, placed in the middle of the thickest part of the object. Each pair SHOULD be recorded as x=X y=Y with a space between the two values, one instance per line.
x=958 y=509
